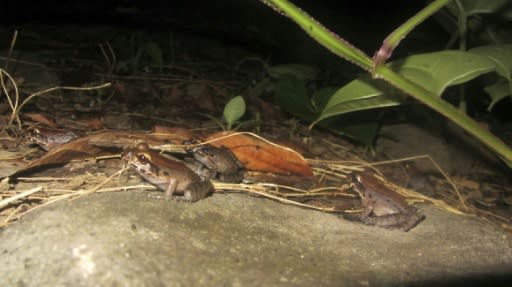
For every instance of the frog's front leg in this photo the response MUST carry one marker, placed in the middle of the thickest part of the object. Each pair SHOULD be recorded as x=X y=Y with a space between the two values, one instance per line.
x=362 y=216
x=203 y=172
x=171 y=187
x=388 y=220
x=232 y=177
x=367 y=211
x=169 y=191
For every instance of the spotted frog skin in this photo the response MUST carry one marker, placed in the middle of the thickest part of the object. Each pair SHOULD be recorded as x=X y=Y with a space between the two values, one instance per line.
x=220 y=163
x=173 y=177
x=382 y=206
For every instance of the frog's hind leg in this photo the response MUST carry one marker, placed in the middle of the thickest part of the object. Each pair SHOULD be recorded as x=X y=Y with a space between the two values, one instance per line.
x=197 y=191
x=401 y=221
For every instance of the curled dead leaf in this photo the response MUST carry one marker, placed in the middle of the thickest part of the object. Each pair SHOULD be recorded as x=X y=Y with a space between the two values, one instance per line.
x=258 y=154
x=42 y=119
x=94 y=145
x=176 y=134
x=73 y=150
x=125 y=139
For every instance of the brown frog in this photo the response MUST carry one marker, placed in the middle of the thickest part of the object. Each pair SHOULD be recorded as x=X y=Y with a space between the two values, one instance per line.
x=220 y=163
x=382 y=206
x=173 y=177
x=48 y=138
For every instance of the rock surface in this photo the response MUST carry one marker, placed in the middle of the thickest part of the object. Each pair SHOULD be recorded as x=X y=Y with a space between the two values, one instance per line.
x=452 y=154
x=128 y=239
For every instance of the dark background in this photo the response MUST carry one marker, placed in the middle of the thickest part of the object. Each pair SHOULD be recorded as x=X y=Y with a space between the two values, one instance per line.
x=248 y=23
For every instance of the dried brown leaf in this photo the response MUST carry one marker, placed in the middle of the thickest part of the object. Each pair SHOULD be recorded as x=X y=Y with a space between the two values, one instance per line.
x=259 y=154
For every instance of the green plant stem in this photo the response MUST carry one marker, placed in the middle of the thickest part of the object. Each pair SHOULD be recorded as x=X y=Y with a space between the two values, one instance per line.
x=447 y=110
x=397 y=35
x=322 y=35
x=392 y=40
x=462 y=20
x=345 y=50
x=462 y=25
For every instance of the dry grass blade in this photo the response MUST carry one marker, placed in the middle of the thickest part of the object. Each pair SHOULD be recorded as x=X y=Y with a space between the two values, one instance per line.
x=19 y=155
x=6 y=91
x=21 y=195
x=42 y=179
x=64 y=194
x=426 y=156
x=263 y=190
x=97 y=187
x=341 y=168
x=415 y=196
x=335 y=173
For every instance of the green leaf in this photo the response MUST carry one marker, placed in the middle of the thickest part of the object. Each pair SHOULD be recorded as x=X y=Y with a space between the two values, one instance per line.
x=472 y=7
x=320 y=98
x=433 y=71
x=291 y=95
x=507 y=13
x=501 y=55
x=303 y=72
x=360 y=94
x=366 y=132
x=498 y=92
x=342 y=48
x=234 y=110
x=438 y=70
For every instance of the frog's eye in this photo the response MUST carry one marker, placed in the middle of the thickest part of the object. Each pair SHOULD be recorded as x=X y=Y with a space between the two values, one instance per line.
x=143 y=158
x=356 y=178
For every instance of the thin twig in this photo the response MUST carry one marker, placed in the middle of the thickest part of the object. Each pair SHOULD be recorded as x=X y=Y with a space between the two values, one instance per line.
x=63 y=88
x=13 y=106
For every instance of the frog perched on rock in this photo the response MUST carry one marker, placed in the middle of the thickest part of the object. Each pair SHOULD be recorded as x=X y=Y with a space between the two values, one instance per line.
x=382 y=206
x=173 y=177
x=218 y=163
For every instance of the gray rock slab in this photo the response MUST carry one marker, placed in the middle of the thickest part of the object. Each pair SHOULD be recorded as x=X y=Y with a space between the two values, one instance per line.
x=128 y=239
x=453 y=155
